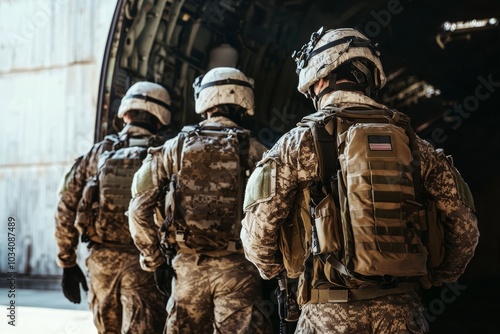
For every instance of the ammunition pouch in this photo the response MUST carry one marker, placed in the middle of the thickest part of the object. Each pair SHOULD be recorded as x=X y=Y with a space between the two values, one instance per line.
x=327 y=227
x=433 y=235
x=295 y=233
x=87 y=212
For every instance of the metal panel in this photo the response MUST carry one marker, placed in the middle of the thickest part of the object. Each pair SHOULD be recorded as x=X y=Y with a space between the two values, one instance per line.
x=48 y=87
x=51 y=33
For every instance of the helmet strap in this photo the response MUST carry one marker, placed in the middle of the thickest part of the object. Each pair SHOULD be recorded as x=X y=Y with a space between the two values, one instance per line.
x=148 y=126
x=333 y=86
x=233 y=112
x=368 y=80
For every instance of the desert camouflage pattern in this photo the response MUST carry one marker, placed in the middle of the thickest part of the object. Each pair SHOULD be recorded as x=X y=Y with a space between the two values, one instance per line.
x=210 y=294
x=70 y=194
x=116 y=171
x=122 y=297
x=461 y=232
x=209 y=183
x=154 y=174
x=216 y=295
x=272 y=187
x=394 y=314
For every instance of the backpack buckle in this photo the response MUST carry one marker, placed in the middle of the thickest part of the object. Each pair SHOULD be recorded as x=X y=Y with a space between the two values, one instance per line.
x=389 y=282
x=180 y=236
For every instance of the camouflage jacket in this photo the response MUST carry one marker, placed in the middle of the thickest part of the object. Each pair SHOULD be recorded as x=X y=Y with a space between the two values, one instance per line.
x=70 y=194
x=271 y=189
x=156 y=171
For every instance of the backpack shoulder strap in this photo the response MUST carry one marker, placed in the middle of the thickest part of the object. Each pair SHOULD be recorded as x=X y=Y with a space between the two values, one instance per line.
x=109 y=144
x=322 y=125
x=404 y=122
x=244 y=149
x=181 y=137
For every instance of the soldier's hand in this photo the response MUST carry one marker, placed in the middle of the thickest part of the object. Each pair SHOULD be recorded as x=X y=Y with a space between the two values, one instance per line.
x=163 y=277
x=71 y=280
x=427 y=282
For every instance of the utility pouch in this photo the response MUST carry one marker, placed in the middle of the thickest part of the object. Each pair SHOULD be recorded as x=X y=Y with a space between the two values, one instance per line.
x=295 y=233
x=328 y=231
x=87 y=212
x=319 y=280
x=303 y=289
x=433 y=237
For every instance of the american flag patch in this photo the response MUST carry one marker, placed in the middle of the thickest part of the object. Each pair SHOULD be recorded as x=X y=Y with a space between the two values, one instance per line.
x=379 y=143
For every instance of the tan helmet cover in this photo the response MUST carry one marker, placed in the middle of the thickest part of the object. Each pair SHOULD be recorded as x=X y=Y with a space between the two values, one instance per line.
x=150 y=97
x=223 y=85
x=312 y=68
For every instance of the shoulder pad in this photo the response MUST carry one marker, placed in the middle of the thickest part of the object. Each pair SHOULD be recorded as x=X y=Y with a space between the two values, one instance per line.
x=322 y=116
x=63 y=185
x=261 y=185
x=143 y=179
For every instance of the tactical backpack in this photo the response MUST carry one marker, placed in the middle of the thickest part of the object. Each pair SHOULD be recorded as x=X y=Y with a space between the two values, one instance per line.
x=367 y=220
x=209 y=189
x=105 y=199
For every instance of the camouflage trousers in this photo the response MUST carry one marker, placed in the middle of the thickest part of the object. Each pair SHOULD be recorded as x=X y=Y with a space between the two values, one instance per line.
x=393 y=314
x=123 y=297
x=215 y=295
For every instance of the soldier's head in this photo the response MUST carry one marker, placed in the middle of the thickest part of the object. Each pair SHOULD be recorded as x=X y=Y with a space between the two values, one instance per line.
x=146 y=104
x=340 y=59
x=224 y=91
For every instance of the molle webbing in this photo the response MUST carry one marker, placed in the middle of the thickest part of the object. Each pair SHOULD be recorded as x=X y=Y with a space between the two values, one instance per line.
x=213 y=162
x=116 y=170
x=116 y=174
x=377 y=213
x=115 y=183
x=377 y=175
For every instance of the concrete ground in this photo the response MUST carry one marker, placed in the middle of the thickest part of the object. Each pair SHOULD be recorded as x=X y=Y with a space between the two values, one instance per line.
x=44 y=312
x=41 y=308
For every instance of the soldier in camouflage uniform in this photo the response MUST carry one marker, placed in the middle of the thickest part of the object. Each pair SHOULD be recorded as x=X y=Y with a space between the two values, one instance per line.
x=215 y=289
x=122 y=297
x=272 y=187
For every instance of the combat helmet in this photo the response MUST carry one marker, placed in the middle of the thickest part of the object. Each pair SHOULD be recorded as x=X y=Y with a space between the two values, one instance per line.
x=343 y=49
x=150 y=97
x=223 y=85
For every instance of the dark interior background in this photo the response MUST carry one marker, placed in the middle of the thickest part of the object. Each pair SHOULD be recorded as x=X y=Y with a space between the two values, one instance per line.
x=451 y=92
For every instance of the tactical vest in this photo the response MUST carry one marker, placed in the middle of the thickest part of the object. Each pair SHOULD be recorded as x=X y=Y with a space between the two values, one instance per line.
x=210 y=181
x=368 y=218
x=107 y=196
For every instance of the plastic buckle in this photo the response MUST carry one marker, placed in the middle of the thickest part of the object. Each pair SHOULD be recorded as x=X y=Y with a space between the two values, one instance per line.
x=389 y=282
x=179 y=236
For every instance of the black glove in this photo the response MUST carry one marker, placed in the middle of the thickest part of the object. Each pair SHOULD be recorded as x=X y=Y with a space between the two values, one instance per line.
x=72 y=277
x=163 y=278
